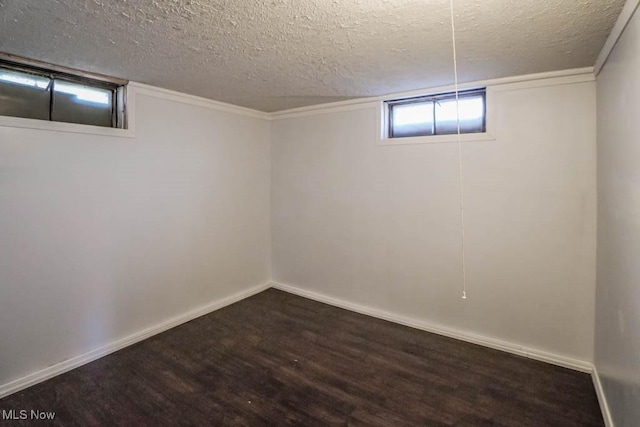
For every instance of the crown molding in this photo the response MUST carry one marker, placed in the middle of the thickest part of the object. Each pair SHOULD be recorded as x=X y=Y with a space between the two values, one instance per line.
x=157 y=92
x=618 y=29
x=550 y=78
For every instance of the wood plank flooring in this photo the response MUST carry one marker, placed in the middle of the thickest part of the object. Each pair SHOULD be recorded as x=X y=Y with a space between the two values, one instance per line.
x=278 y=359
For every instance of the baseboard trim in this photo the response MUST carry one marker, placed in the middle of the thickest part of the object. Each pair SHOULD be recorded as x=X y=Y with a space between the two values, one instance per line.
x=75 y=362
x=543 y=356
x=83 y=359
x=602 y=398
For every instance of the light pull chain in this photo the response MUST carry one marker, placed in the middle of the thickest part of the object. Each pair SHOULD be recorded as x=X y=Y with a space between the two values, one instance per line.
x=461 y=169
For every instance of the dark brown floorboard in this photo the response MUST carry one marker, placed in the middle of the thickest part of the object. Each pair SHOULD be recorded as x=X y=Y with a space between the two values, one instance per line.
x=276 y=359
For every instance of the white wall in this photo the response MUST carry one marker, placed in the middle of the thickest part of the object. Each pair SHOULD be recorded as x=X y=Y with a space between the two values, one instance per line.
x=617 y=339
x=101 y=237
x=379 y=225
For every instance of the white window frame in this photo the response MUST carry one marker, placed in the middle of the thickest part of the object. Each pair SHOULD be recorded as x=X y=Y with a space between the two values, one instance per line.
x=27 y=123
x=24 y=123
x=382 y=124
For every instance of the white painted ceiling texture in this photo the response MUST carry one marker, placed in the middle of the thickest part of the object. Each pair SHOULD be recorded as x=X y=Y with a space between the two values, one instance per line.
x=278 y=54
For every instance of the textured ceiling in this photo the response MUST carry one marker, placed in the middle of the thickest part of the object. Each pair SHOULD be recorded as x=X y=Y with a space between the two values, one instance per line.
x=278 y=54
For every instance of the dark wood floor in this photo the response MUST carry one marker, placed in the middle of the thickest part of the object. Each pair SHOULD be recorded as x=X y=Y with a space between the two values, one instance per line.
x=277 y=359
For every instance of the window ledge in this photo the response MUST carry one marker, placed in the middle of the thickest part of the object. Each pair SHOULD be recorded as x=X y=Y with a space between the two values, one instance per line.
x=19 y=122
x=437 y=139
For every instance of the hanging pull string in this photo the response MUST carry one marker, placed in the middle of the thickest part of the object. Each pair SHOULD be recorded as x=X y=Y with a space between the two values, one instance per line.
x=455 y=77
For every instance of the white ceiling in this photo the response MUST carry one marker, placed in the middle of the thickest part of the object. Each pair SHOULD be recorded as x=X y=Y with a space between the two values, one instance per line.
x=278 y=54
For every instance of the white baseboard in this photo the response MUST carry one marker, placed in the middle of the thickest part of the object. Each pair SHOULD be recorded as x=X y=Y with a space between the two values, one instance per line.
x=555 y=359
x=75 y=362
x=602 y=398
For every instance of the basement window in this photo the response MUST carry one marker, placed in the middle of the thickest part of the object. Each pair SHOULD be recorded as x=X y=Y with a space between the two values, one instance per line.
x=436 y=114
x=60 y=95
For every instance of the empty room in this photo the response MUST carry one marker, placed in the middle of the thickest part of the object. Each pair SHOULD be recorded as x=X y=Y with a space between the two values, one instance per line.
x=346 y=212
